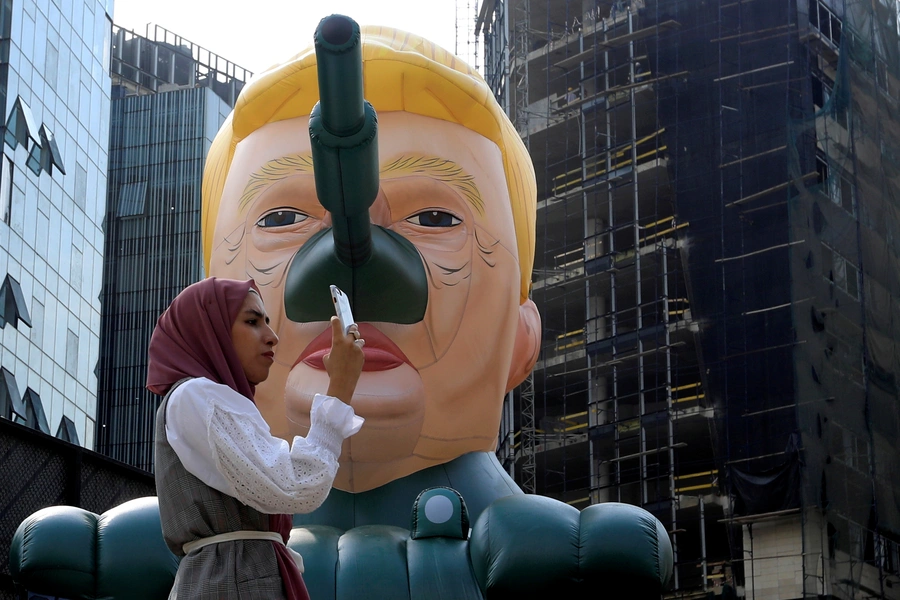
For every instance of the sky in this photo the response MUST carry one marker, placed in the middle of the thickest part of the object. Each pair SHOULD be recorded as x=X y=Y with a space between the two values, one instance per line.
x=260 y=33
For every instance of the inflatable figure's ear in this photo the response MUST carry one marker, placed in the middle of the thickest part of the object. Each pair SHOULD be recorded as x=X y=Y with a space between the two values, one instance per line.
x=528 y=344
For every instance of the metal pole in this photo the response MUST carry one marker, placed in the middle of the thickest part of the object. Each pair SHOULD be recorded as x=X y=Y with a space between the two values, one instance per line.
x=637 y=261
x=673 y=507
x=615 y=478
x=703 y=541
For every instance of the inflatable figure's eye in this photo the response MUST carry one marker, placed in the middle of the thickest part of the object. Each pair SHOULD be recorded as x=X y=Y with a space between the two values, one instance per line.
x=434 y=218
x=281 y=218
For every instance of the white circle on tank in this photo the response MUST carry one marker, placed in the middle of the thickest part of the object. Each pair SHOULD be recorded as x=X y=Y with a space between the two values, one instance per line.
x=438 y=509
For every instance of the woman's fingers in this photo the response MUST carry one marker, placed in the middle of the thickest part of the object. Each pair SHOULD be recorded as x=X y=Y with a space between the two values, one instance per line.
x=336 y=332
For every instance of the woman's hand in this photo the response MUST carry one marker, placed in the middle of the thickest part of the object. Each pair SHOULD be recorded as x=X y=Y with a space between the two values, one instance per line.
x=345 y=361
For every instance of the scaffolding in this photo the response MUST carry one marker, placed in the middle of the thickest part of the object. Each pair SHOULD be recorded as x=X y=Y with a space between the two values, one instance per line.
x=466 y=40
x=717 y=272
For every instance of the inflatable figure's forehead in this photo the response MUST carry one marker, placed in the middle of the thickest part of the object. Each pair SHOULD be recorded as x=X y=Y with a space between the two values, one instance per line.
x=401 y=72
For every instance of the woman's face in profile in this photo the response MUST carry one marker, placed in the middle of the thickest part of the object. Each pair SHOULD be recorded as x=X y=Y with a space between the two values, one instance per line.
x=253 y=339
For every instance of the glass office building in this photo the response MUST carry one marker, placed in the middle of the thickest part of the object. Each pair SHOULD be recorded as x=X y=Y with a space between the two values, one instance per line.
x=171 y=97
x=55 y=92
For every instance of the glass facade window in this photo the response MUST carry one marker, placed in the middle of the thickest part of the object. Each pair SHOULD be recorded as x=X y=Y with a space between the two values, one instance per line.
x=34 y=159
x=37 y=322
x=6 y=172
x=20 y=126
x=11 y=406
x=12 y=304
x=71 y=352
x=132 y=199
x=76 y=270
x=80 y=186
x=67 y=431
x=34 y=412
x=46 y=156
x=51 y=65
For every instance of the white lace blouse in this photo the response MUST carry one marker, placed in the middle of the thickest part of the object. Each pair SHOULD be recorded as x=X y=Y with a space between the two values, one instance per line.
x=222 y=439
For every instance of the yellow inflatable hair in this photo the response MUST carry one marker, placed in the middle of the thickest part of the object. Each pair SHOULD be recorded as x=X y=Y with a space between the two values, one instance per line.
x=401 y=72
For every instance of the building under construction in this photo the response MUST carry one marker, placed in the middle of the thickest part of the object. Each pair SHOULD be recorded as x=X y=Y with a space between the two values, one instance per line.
x=718 y=271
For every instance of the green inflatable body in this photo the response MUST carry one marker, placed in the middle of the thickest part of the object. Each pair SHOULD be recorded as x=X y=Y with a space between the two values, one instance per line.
x=518 y=546
x=409 y=538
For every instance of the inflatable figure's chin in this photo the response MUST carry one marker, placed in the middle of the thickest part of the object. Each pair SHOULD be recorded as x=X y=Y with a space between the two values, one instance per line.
x=392 y=402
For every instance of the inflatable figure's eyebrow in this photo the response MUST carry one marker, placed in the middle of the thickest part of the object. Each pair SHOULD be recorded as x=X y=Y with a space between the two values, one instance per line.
x=272 y=172
x=440 y=169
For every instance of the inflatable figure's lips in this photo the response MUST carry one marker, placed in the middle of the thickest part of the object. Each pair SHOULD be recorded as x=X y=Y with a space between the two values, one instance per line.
x=381 y=353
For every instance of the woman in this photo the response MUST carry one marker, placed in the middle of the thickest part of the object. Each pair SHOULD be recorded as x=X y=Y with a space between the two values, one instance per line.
x=226 y=487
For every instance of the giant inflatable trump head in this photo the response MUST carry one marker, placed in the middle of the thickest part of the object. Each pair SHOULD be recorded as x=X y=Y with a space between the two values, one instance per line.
x=456 y=182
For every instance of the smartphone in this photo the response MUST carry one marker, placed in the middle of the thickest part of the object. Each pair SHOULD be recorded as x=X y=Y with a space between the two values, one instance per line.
x=342 y=308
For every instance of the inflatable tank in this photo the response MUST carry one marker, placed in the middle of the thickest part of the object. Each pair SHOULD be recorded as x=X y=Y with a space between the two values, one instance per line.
x=379 y=162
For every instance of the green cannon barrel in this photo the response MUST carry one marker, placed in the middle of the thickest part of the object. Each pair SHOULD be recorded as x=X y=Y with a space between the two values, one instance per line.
x=343 y=128
x=380 y=270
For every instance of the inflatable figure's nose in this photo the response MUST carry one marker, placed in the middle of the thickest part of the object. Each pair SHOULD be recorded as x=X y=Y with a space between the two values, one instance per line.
x=381 y=271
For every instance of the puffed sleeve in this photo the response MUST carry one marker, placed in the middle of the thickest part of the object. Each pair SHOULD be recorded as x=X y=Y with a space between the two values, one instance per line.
x=222 y=439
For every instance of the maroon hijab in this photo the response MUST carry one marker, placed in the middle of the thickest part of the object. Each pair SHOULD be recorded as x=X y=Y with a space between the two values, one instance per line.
x=193 y=339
